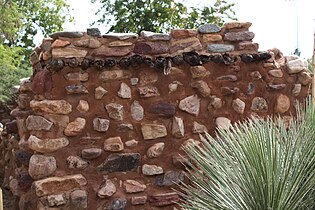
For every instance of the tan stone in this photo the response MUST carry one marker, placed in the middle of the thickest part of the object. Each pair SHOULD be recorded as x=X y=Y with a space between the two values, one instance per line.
x=238 y=105
x=151 y=170
x=68 y=52
x=60 y=43
x=132 y=186
x=207 y=38
x=282 y=104
x=46 y=145
x=148 y=76
x=131 y=143
x=138 y=200
x=124 y=91
x=304 y=78
x=223 y=123
x=153 y=131
x=178 y=130
x=115 y=111
x=199 y=128
x=215 y=103
x=190 y=104
x=190 y=142
x=76 y=127
x=106 y=76
x=57 y=200
x=88 y=43
x=107 y=189
x=276 y=73
x=296 y=89
x=120 y=44
x=113 y=144
x=75 y=162
x=185 y=45
x=41 y=166
x=199 y=72
x=77 y=76
x=237 y=24
x=156 y=150
x=38 y=123
x=51 y=106
x=183 y=33
x=54 y=185
x=202 y=87
x=83 y=106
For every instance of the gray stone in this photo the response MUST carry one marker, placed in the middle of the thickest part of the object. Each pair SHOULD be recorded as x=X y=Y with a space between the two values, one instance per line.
x=131 y=143
x=238 y=105
x=199 y=128
x=124 y=127
x=76 y=89
x=124 y=91
x=107 y=189
x=83 y=106
x=296 y=89
x=276 y=86
x=156 y=150
x=178 y=130
x=137 y=111
x=117 y=204
x=91 y=153
x=153 y=131
x=75 y=162
x=259 y=105
x=152 y=36
x=99 y=92
x=41 y=166
x=151 y=170
x=282 y=104
x=100 y=124
x=132 y=186
x=56 y=200
x=115 y=111
x=148 y=91
x=296 y=66
x=190 y=104
x=46 y=145
x=55 y=185
x=113 y=144
x=121 y=36
x=112 y=75
x=93 y=32
x=209 y=28
x=76 y=127
x=66 y=34
x=51 y=106
x=38 y=123
x=223 y=123
x=276 y=73
x=134 y=81
x=77 y=76
x=120 y=163
x=220 y=48
x=170 y=178
x=79 y=199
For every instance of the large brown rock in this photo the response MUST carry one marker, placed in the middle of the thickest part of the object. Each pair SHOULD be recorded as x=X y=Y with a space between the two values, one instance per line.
x=185 y=45
x=104 y=51
x=54 y=185
x=41 y=166
x=282 y=104
x=42 y=82
x=151 y=48
x=51 y=106
x=239 y=36
x=68 y=52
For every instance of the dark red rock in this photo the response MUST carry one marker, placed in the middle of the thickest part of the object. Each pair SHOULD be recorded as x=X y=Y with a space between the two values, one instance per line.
x=23 y=156
x=239 y=36
x=246 y=45
x=42 y=82
x=120 y=163
x=276 y=86
x=229 y=90
x=229 y=78
x=151 y=48
x=11 y=127
x=163 y=109
x=164 y=199
x=24 y=180
x=170 y=178
x=104 y=51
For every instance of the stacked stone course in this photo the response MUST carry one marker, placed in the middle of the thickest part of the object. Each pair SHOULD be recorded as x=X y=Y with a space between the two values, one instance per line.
x=102 y=119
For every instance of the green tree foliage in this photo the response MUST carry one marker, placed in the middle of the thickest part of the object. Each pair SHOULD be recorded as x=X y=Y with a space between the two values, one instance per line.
x=159 y=16
x=20 y=21
x=258 y=164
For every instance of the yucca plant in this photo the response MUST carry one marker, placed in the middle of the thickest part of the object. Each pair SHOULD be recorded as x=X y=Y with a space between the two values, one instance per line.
x=256 y=165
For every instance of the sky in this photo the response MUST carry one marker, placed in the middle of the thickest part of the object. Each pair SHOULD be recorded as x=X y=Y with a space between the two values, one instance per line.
x=274 y=21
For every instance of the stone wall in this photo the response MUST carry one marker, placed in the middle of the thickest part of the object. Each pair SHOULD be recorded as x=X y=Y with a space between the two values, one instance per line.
x=102 y=119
